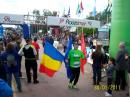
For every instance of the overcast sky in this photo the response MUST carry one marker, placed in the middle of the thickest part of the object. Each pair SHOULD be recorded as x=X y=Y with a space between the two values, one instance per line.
x=25 y=6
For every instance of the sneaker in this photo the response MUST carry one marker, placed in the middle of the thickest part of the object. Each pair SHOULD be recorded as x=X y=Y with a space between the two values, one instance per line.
x=20 y=74
x=74 y=87
x=107 y=94
x=20 y=90
x=127 y=94
x=29 y=82
x=36 y=82
x=70 y=85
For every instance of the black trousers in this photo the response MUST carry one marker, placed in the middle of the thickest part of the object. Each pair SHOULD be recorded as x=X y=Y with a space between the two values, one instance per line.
x=75 y=73
x=65 y=48
x=31 y=64
x=109 y=85
x=120 y=79
x=3 y=74
x=20 y=72
x=96 y=75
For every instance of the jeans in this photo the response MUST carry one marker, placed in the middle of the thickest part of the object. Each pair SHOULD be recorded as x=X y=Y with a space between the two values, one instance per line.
x=17 y=79
x=109 y=85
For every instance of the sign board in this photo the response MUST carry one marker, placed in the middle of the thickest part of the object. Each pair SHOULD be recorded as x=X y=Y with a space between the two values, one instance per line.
x=57 y=21
x=11 y=19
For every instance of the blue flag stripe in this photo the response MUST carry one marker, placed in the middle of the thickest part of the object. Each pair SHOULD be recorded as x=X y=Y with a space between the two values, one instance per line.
x=69 y=47
x=53 y=52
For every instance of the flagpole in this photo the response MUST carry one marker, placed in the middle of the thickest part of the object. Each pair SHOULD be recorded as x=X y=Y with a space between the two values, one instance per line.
x=94 y=14
x=107 y=11
x=93 y=28
x=77 y=30
x=82 y=29
x=47 y=23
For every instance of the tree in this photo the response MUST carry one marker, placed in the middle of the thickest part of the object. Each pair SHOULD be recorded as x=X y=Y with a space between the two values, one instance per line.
x=55 y=13
x=47 y=12
x=41 y=18
x=104 y=16
x=87 y=31
x=38 y=18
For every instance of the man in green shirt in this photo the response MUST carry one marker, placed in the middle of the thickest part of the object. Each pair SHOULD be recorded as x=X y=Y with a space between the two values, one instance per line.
x=74 y=58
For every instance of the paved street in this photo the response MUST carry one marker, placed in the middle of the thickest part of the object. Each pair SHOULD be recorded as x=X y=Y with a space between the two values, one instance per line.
x=57 y=86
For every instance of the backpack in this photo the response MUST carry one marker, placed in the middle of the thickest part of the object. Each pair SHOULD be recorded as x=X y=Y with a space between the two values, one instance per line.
x=11 y=62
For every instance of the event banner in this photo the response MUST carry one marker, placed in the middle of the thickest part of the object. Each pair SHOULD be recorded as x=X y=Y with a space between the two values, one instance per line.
x=11 y=19
x=61 y=21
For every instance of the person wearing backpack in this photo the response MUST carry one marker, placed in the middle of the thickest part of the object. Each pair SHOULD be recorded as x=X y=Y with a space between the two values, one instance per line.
x=30 y=53
x=10 y=57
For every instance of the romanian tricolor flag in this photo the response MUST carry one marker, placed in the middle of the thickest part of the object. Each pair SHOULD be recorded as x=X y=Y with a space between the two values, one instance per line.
x=51 y=60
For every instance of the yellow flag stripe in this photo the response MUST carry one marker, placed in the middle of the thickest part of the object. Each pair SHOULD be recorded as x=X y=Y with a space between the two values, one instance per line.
x=50 y=63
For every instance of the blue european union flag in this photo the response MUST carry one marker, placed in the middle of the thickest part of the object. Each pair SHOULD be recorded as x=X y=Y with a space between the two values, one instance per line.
x=69 y=47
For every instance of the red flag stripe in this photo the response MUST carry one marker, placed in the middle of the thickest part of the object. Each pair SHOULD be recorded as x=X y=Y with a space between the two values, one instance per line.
x=83 y=49
x=81 y=6
x=47 y=71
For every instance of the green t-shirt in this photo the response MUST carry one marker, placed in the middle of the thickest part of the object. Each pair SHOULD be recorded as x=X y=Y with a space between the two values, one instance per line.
x=74 y=58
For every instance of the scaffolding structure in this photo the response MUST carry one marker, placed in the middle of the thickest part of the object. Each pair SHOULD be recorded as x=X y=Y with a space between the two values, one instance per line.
x=33 y=19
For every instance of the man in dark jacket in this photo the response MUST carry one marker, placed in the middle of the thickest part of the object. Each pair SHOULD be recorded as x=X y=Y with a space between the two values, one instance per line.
x=30 y=54
x=121 y=66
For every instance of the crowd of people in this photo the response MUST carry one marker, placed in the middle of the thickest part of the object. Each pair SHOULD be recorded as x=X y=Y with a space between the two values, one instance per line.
x=116 y=68
x=11 y=52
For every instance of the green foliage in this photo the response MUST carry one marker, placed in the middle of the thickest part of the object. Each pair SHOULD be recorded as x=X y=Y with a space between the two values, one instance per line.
x=87 y=31
x=104 y=16
x=44 y=31
x=40 y=18
x=47 y=13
